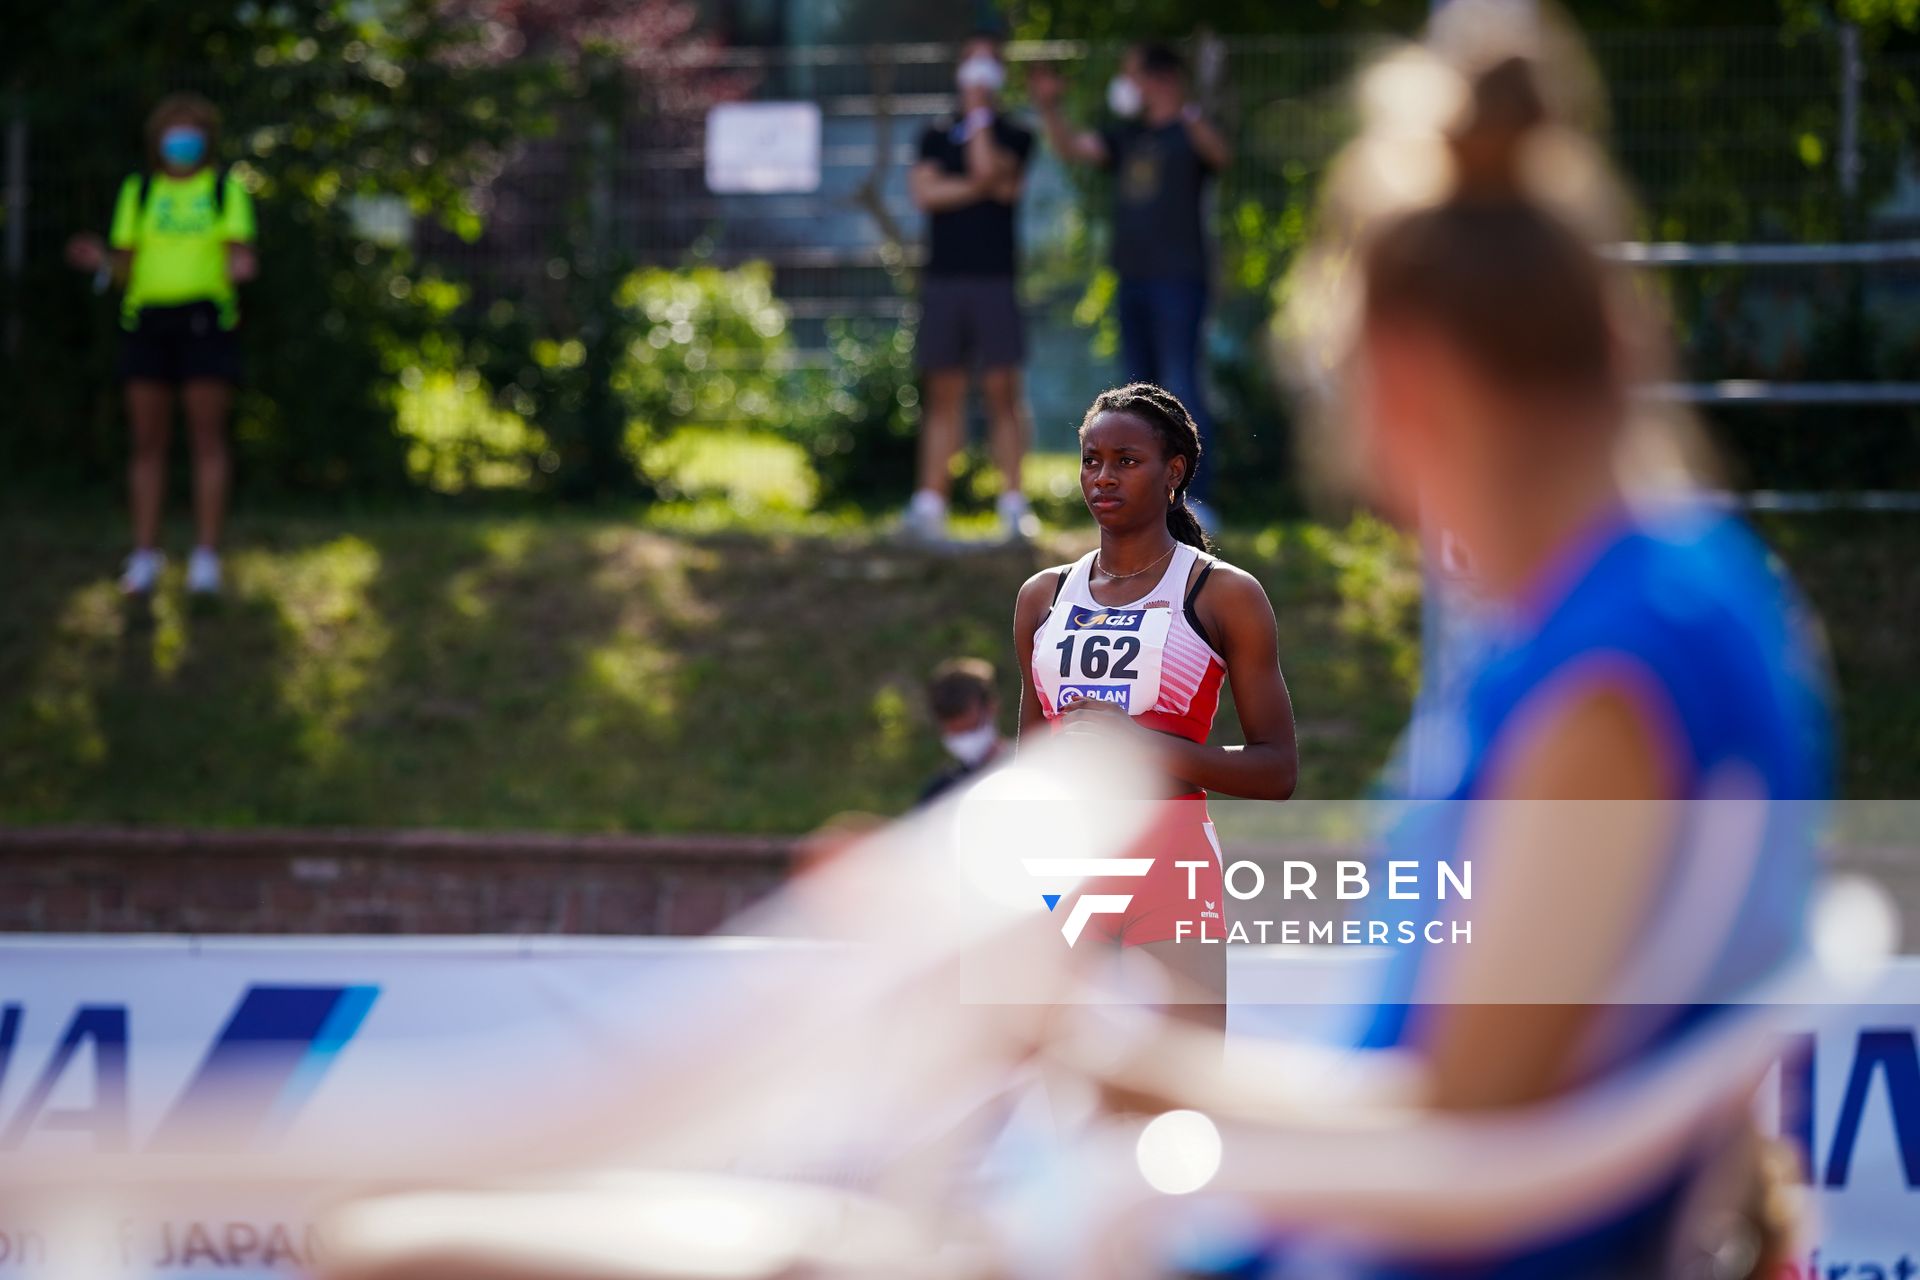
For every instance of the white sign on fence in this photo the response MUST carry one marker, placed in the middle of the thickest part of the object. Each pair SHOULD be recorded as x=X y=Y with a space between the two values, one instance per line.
x=761 y=148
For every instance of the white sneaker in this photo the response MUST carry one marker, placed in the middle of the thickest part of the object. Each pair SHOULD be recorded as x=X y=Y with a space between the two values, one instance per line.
x=203 y=572
x=925 y=521
x=142 y=572
x=1018 y=523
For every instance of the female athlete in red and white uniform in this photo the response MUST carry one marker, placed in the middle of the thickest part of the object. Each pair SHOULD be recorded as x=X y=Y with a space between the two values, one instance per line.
x=1137 y=637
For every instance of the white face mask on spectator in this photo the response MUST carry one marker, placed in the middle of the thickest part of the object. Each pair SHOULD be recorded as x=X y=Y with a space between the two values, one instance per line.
x=1123 y=97
x=981 y=71
x=973 y=746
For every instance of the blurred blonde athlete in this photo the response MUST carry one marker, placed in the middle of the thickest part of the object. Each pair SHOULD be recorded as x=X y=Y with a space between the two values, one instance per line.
x=1482 y=355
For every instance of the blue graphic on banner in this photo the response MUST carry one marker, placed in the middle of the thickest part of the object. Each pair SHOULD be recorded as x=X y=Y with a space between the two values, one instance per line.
x=1887 y=1054
x=103 y=1028
x=265 y=1064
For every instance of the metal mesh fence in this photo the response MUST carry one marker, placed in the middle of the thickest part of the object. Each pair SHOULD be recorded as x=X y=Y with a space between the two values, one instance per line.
x=1727 y=135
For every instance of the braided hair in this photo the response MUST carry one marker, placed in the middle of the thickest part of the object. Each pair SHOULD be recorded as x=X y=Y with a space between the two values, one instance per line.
x=1179 y=435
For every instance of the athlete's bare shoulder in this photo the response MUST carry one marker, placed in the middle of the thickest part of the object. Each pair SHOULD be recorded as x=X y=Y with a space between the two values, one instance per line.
x=1231 y=595
x=1045 y=584
x=1224 y=574
x=1036 y=597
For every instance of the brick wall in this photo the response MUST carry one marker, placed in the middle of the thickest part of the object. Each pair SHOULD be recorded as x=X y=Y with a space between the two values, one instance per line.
x=113 y=880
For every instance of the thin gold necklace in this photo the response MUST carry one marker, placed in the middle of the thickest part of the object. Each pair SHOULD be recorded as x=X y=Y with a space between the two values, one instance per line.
x=1122 y=577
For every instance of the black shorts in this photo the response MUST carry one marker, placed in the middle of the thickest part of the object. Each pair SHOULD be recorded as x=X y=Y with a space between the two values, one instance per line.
x=969 y=322
x=179 y=344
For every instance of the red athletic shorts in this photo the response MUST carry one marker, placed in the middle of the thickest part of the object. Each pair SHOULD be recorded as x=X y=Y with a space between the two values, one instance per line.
x=1181 y=833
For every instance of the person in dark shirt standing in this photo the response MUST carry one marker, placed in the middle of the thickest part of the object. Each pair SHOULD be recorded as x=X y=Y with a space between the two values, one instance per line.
x=967 y=181
x=1162 y=152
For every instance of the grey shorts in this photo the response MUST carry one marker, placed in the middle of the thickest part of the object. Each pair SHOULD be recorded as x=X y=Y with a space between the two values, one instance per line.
x=969 y=322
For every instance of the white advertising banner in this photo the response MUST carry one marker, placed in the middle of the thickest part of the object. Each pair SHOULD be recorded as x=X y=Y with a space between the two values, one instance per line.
x=349 y=1046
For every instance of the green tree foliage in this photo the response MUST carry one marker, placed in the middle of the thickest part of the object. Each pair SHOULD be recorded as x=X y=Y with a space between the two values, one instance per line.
x=859 y=418
x=624 y=66
x=699 y=346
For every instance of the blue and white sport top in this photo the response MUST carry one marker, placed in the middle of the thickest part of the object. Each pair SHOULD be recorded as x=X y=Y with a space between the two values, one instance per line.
x=1683 y=607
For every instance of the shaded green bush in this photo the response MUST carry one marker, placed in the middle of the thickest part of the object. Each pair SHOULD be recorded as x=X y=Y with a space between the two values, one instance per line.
x=700 y=345
x=859 y=417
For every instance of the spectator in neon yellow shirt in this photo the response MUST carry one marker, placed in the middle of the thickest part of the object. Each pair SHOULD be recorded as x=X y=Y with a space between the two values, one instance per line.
x=182 y=239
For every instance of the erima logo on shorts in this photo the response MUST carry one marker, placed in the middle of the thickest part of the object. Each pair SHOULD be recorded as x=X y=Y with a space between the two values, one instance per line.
x=1083 y=619
x=1087 y=905
x=1116 y=693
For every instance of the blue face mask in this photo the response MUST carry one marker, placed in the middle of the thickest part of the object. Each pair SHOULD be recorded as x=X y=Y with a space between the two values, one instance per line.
x=183 y=146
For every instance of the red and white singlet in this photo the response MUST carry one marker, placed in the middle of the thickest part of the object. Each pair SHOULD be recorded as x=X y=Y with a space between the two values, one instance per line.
x=1152 y=657
x=1149 y=656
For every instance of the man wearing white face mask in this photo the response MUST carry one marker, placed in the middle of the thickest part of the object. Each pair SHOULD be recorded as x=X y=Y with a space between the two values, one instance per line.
x=1163 y=152
x=967 y=181
x=966 y=707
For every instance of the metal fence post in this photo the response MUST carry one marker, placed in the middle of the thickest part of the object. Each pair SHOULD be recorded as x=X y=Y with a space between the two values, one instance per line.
x=1851 y=71
x=16 y=250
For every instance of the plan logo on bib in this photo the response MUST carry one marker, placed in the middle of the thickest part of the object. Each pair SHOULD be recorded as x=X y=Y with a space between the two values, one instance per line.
x=1088 y=905
x=1115 y=693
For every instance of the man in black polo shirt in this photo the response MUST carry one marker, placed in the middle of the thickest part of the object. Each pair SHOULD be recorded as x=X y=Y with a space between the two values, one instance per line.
x=967 y=181
x=1162 y=152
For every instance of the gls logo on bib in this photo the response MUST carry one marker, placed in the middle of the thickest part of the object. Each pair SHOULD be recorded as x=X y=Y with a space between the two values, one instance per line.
x=1084 y=619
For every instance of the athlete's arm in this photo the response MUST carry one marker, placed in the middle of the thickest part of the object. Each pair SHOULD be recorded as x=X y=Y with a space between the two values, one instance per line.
x=88 y=252
x=1036 y=597
x=1579 y=843
x=239 y=229
x=243 y=266
x=995 y=171
x=936 y=192
x=1208 y=142
x=1074 y=147
x=124 y=235
x=1234 y=609
x=1083 y=147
